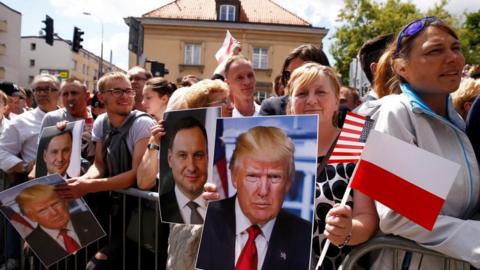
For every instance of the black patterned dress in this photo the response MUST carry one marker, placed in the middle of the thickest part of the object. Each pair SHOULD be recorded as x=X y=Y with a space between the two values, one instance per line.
x=330 y=186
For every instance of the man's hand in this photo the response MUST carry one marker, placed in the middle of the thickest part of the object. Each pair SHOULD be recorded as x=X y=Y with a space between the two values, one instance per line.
x=210 y=192
x=338 y=224
x=61 y=125
x=74 y=188
x=22 y=167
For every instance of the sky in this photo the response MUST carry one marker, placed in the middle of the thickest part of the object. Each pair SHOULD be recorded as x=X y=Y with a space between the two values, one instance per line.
x=110 y=13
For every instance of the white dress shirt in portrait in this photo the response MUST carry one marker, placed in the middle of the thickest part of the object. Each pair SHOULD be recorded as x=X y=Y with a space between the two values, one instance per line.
x=185 y=211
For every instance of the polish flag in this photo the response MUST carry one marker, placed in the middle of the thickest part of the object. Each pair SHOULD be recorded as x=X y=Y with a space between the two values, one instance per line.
x=404 y=177
x=226 y=49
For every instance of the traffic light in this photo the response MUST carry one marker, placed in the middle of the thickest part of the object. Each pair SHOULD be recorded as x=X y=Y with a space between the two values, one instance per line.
x=77 y=39
x=158 y=69
x=48 y=30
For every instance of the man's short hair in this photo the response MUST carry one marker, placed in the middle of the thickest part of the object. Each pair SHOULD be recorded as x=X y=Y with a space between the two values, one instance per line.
x=32 y=194
x=42 y=77
x=371 y=51
x=187 y=123
x=265 y=144
x=76 y=81
x=148 y=74
x=308 y=53
x=111 y=76
x=233 y=59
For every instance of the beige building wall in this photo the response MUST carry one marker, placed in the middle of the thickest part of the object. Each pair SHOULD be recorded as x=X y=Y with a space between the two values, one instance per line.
x=86 y=66
x=166 y=44
x=10 y=27
x=38 y=56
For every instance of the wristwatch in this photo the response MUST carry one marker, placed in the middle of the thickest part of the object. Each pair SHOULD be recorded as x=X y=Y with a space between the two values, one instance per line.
x=152 y=146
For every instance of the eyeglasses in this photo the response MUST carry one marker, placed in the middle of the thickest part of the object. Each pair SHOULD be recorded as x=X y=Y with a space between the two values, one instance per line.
x=413 y=29
x=118 y=92
x=44 y=90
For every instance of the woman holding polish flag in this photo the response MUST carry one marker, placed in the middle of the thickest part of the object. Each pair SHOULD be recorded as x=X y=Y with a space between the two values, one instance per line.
x=418 y=72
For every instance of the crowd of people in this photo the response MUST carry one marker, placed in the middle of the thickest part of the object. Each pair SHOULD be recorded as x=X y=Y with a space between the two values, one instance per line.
x=420 y=94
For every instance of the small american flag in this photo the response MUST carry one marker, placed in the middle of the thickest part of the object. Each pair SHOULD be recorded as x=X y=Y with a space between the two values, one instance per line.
x=352 y=139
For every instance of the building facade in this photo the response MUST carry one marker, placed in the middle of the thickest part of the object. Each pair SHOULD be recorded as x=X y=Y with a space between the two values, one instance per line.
x=186 y=34
x=10 y=27
x=38 y=57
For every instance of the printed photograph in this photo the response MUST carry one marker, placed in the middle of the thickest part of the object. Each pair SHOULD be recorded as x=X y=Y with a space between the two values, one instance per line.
x=270 y=165
x=186 y=162
x=59 y=151
x=52 y=227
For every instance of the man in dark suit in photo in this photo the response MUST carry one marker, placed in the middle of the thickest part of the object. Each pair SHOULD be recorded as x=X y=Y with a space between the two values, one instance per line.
x=57 y=152
x=58 y=233
x=251 y=230
x=188 y=160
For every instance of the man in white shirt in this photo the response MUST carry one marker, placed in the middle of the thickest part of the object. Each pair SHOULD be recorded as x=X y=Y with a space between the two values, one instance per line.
x=251 y=230
x=58 y=232
x=18 y=142
x=240 y=77
x=188 y=160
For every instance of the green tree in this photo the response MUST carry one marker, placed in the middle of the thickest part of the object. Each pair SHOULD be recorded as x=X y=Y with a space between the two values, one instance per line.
x=469 y=35
x=365 y=19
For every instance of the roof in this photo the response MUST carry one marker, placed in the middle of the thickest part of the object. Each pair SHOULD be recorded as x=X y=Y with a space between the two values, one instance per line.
x=10 y=8
x=251 y=11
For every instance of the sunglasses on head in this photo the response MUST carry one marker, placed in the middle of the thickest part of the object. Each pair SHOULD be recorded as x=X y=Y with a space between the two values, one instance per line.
x=412 y=29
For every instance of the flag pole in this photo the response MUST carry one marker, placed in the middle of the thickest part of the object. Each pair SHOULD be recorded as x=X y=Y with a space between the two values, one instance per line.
x=342 y=203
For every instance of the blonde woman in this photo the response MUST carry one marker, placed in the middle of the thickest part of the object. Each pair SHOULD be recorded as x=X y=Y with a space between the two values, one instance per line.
x=314 y=89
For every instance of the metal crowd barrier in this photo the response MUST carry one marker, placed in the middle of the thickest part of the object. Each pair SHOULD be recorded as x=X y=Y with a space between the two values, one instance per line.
x=397 y=244
x=30 y=261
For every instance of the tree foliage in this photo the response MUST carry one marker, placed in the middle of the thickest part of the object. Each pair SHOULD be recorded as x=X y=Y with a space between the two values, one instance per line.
x=365 y=19
x=469 y=35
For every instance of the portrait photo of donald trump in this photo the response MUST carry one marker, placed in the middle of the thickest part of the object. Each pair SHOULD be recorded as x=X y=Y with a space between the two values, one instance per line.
x=251 y=229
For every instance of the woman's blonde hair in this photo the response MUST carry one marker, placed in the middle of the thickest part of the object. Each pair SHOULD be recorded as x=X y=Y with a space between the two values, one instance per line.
x=202 y=93
x=305 y=75
x=469 y=89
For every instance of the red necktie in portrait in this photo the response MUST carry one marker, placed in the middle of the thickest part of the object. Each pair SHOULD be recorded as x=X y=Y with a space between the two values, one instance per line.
x=70 y=244
x=248 y=259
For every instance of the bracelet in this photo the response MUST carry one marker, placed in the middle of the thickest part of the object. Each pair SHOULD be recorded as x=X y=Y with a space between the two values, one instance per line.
x=349 y=237
x=152 y=146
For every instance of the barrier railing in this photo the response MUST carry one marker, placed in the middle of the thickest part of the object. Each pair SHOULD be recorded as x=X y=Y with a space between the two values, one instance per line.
x=146 y=256
x=395 y=243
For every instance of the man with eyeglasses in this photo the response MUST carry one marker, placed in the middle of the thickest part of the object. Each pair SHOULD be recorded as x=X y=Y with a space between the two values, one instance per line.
x=18 y=142
x=251 y=230
x=121 y=137
x=138 y=76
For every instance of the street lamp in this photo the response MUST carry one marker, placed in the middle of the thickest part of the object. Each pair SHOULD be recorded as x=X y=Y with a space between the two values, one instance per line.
x=100 y=65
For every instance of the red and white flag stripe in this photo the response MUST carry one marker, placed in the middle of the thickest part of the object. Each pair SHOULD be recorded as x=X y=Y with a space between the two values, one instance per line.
x=226 y=49
x=404 y=177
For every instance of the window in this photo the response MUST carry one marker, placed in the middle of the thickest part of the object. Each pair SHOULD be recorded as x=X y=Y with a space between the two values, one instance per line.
x=88 y=70
x=30 y=79
x=260 y=58
x=192 y=54
x=33 y=46
x=74 y=65
x=32 y=62
x=84 y=68
x=227 y=13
